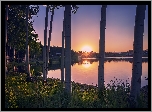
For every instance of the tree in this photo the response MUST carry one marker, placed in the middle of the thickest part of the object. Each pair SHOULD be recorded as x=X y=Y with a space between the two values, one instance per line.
x=137 y=56
x=39 y=54
x=20 y=26
x=74 y=8
x=49 y=39
x=102 y=48
x=62 y=60
x=68 y=48
x=45 y=59
x=27 y=46
x=17 y=26
x=45 y=47
x=35 y=49
x=6 y=18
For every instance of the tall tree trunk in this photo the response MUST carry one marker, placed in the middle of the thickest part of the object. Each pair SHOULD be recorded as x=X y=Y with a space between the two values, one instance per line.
x=45 y=47
x=6 y=18
x=49 y=39
x=27 y=46
x=138 y=51
x=68 y=48
x=62 y=59
x=102 y=48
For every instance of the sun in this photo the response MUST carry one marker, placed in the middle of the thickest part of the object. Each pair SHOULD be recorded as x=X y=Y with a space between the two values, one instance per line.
x=86 y=48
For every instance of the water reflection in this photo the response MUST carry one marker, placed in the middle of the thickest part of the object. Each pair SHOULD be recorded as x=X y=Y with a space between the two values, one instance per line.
x=86 y=64
x=128 y=59
x=86 y=71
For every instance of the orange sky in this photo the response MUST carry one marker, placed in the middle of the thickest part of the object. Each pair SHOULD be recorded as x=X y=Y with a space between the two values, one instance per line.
x=85 y=27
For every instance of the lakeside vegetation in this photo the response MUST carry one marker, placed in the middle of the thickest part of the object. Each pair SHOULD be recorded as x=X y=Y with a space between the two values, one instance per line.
x=36 y=94
x=20 y=93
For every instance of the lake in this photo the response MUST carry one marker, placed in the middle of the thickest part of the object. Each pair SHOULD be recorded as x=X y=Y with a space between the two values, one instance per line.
x=86 y=71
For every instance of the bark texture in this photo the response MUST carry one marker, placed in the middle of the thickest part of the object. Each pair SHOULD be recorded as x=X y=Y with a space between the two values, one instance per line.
x=68 y=49
x=102 y=48
x=45 y=47
x=62 y=57
x=138 y=51
x=49 y=39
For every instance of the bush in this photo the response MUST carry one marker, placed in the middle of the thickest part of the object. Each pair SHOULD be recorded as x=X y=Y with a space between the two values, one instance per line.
x=22 y=94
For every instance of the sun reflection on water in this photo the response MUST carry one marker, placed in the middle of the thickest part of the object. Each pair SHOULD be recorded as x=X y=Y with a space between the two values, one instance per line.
x=86 y=64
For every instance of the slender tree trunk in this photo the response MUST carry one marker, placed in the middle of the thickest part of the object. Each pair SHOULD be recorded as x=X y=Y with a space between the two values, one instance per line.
x=46 y=59
x=25 y=58
x=45 y=47
x=62 y=59
x=27 y=46
x=7 y=54
x=138 y=51
x=14 y=58
x=44 y=56
x=68 y=49
x=102 y=48
x=18 y=56
x=49 y=39
x=6 y=18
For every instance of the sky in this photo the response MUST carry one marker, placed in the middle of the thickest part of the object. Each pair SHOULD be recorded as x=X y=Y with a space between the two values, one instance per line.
x=85 y=27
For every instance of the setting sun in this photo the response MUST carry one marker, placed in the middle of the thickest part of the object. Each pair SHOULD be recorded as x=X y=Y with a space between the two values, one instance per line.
x=86 y=48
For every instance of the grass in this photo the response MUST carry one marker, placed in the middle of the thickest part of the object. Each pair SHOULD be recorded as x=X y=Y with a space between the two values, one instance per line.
x=22 y=94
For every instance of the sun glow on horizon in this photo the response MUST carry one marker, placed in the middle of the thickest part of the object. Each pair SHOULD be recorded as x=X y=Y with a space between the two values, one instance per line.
x=86 y=48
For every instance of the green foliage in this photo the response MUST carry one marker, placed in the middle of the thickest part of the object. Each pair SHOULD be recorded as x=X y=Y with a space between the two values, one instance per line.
x=22 y=94
x=36 y=70
x=17 y=28
x=74 y=8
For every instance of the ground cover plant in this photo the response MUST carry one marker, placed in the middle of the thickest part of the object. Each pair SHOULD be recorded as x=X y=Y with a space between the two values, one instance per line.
x=22 y=94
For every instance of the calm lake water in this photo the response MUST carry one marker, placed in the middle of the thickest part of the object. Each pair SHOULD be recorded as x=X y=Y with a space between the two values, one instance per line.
x=86 y=71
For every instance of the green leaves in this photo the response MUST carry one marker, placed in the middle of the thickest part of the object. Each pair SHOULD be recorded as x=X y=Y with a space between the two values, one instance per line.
x=17 y=26
x=74 y=8
x=20 y=94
